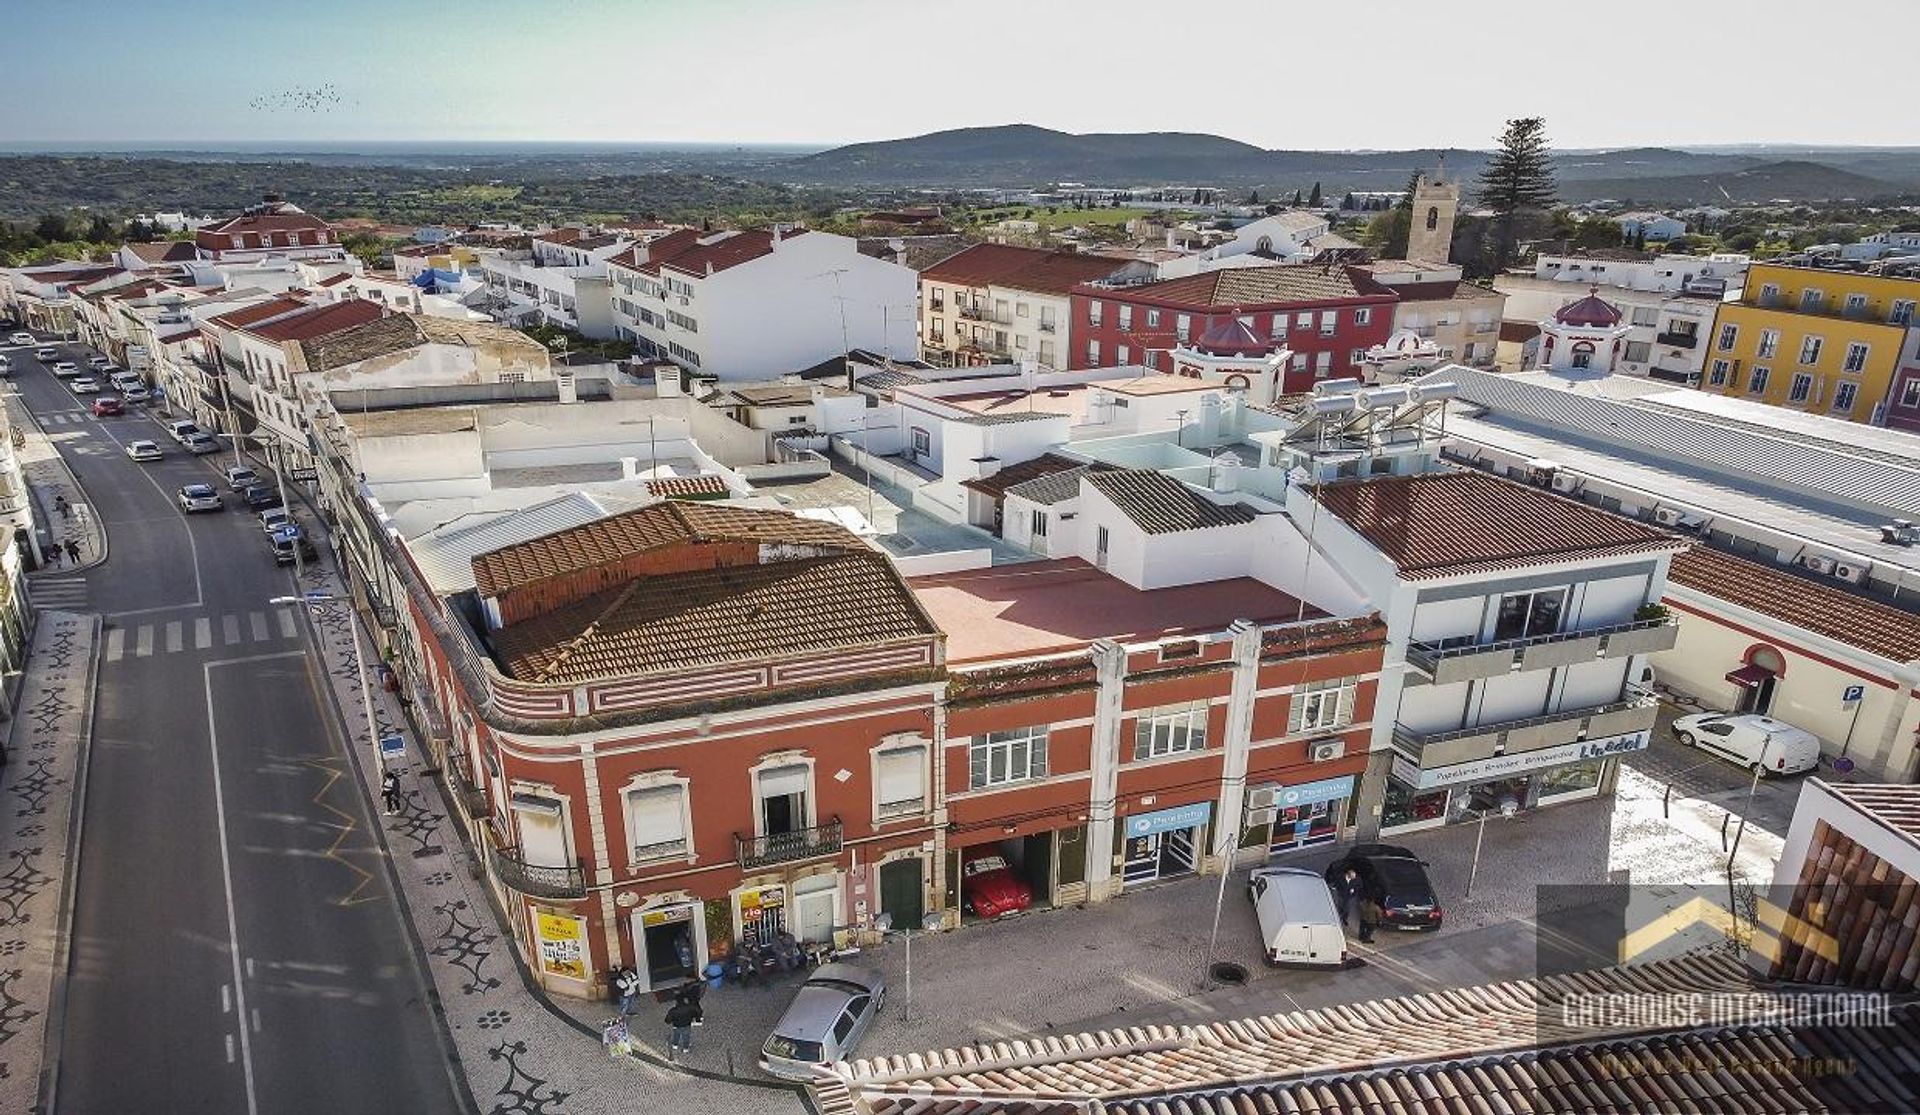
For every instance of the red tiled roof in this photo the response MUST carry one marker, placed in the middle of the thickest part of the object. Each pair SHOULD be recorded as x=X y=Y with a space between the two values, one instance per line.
x=693 y=252
x=166 y=251
x=685 y=487
x=259 y=311
x=318 y=321
x=1822 y=609
x=264 y=222
x=1438 y=524
x=334 y=280
x=1021 y=268
x=1246 y=288
x=1895 y=804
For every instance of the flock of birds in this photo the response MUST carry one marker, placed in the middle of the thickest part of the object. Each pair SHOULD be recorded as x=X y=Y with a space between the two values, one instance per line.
x=318 y=98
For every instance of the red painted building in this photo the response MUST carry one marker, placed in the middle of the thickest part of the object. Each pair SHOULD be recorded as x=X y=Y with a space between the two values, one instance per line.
x=1315 y=311
x=272 y=228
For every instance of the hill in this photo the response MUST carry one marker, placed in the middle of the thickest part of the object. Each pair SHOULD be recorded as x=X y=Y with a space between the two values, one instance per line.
x=1799 y=180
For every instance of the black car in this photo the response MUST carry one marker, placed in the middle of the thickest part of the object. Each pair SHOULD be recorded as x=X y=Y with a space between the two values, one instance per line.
x=259 y=497
x=1397 y=879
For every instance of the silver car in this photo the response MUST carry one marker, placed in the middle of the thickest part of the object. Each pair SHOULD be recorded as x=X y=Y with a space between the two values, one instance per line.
x=829 y=1015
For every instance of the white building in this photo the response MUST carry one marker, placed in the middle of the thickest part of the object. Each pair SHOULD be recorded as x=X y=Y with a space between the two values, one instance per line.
x=1652 y=226
x=755 y=304
x=1290 y=236
x=273 y=229
x=1586 y=337
x=559 y=279
x=1666 y=301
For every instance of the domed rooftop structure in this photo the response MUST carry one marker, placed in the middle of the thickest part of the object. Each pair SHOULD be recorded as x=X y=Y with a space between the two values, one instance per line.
x=1232 y=337
x=1589 y=311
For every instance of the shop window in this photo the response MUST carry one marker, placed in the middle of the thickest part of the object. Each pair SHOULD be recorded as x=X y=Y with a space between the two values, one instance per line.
x=1524 y=615
x=1320 y=706
x=1170 y=730
x=1573 y=779
x=900 y=780
x=998 y=758
x=1406 y=806
x=656 y=822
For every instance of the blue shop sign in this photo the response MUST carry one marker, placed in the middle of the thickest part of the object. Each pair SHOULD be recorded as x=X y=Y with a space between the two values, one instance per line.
x=1312 y=793
x=1170 y=820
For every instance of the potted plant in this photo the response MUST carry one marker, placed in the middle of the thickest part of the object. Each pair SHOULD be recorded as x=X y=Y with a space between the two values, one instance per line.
x=1651 y=612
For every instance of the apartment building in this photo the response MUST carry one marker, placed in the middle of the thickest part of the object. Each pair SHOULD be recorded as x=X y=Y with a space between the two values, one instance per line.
x=1821 y=341
x=1666 y=302
x=559 y=277
x=745 y=305
x=998 y=303
x=1438 y=316
x=275 y=228
x=246 y=379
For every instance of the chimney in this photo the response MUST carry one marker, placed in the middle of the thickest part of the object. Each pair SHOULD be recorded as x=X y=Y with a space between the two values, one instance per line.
x=985 y=467
x=629 y=467
x=568 y=393
x=1226 y=474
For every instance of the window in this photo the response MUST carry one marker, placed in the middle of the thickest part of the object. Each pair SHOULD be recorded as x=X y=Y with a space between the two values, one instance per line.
x=922 y=442
x=1856 y=357
x=1100 y=538
x=1329 y=321
x=1019 y=340
x=900 y=781
x=1856 y=305
x=1758 y=383
x=1843 y=396
x=1728 y=335
x=1170 y=730
x=1298 y=363
x=1122 y=354
x=1902 y=313
x=1646 y=315
x=936 y=298
x=1363 y=316
x=1093 y=353
x=1802 y=387
x=998 y=758
x=1046 y=353
x=1770 y=294
x=1320 y=706
x=1358 y=356
x=1095 y=310
x=1433 y=217
x=1811 y=300
x=939 y=332
x=1769 y=344
x=1183 y=326
x=1153 y=319
x=1523 y=615
x=1719 y=376
x=783 y=792
x=1126 y=317
x=1810 y=350
x=1322 y=364
x=1910 y=393
x=656 y=822
x=1303 y=320
x=1020 y=309
x=1039 y=526
x=1638 y=351
x=1583 y=354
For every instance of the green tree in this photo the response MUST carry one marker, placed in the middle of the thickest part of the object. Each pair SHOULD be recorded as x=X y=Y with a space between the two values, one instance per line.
x=1296 y=199
x=1595 y=234
x=1518 y=180
x=1640 y=238
x=1253 y=198
x=1386 y=232
x=50 y=229
x=1313 y=199
x=101 y=230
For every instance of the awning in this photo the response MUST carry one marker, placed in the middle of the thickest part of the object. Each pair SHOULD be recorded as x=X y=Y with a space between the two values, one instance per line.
x=1750 y=676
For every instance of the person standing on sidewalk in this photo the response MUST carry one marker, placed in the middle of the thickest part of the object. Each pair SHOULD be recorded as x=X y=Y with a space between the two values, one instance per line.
x=626 y=983
x=680 y=1028
x=73 y=551
x=390 y=792
x=1345 y=892
x=1370 y=913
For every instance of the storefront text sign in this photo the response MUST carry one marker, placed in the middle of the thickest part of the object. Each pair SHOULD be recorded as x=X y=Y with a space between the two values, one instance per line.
x=1170 y=820
x=562 y=946
x=1500 y=766
x=1312 y=793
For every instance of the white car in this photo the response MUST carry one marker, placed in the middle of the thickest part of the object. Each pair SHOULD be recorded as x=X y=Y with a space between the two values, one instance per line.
x=85 y=385
x=144 y=451
x=1759 y=743
x=1299 y=924
x=21 y=338
x=199 y=497
x=136 y=394
x=99 y=363
x=65 y=369
x=274 y=518
x=45 y=353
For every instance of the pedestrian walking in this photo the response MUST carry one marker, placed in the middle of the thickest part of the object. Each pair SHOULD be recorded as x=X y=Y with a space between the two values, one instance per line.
x=73 y=551
x=626 y=985
x=691 y=993
x=61 y=505
x=54 y=555
x=1370 y=913
x=390 y=792
x=1346 y=891
x=680 y=1021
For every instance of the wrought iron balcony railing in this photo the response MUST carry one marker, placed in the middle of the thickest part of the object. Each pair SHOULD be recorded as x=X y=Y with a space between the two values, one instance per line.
x=787 y=847
x=536 y=880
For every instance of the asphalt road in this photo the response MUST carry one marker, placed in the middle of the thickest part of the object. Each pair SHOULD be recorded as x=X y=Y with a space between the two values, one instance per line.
x=237 y=944
x=1701 y=774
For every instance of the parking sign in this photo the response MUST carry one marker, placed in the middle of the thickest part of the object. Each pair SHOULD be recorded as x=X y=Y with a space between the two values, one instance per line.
x=1852 y=694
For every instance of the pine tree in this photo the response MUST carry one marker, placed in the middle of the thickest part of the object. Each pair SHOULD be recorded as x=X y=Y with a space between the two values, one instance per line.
x=1313 y=199
x=1640 y=239
x=1296 y=199
x=1518 y=178
x=1253 y=198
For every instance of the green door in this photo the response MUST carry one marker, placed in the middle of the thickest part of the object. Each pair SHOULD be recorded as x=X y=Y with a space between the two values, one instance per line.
x=902 y=893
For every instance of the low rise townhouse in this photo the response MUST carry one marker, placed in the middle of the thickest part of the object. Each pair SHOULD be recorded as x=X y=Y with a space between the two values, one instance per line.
x=273 y=229
x=998 y=303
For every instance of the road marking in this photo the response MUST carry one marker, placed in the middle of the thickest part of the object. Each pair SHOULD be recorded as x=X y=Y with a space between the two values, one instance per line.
x=259 y=622
x=256 y=1020
x=287 y=628
x=230 y=629
x=173 y=637
x=226 y=874
x=116 y=644
x=193 y=548
x=226 y=998
x=143 y=641
x=230 y=1056
x=202 y=633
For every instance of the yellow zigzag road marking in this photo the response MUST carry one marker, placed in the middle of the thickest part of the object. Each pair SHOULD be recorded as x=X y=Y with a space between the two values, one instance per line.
x=348 y=826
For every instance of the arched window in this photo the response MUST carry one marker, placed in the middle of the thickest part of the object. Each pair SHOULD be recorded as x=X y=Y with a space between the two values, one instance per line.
x=1264 y=244
x=1433 y=217
x=1583 y=354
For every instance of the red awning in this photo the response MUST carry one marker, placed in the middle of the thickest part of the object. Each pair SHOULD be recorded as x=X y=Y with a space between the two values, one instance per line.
x=1750 y=676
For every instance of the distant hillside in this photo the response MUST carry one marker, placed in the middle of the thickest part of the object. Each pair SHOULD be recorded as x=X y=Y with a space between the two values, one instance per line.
x=1796 y=179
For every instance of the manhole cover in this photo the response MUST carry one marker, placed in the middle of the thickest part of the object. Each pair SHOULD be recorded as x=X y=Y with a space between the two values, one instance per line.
x=1225 y=971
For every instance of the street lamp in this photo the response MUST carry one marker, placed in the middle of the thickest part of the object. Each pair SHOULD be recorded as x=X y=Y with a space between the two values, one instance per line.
x=928 y=923
x=315 y=599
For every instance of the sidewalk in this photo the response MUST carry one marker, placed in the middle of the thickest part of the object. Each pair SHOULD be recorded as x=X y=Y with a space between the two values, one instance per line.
x=519 y=1052
x=41 y=785
x=48 y=480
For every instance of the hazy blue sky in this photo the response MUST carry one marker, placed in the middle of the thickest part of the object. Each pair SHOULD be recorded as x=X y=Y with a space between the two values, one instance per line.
x=1279 y=73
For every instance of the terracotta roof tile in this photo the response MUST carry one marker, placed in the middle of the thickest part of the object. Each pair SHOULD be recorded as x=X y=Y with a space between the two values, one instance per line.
x=684 y=487
x=263 y=222
x=259 y=311
x=1895 y=804
x=1021 y=268
x=1247 y=288
x=1159 y=504
x=693 y=252
x=1044 y=465
x=318 y=321
x=1822 y=609
x=1443 y=523
x=166 y=251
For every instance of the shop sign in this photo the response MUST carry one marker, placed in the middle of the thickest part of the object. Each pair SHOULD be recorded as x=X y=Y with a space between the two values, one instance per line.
x=1501 y=766
x=668 y=916
x=1170 y=820
x=1313 y=793
x=562 y=946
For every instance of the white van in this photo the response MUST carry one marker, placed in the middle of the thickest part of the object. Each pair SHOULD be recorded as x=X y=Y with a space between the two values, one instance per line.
x=1755 y=742
x=1299 y=926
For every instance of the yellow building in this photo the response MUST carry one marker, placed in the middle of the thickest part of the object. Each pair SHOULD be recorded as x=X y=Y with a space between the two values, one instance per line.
x=1826 y=342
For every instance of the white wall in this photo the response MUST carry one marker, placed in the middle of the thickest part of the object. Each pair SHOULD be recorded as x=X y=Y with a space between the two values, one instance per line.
x=1434 y=620
x=1427 y=708
x=1609 y=601
x=1593 y=683
x=1514 y=696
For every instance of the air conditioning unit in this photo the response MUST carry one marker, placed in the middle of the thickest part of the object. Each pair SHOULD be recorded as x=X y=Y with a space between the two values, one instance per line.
x=1667 y=516
x=1817 y=563
x=1326 y=750
x=1262 y=797
x=1852 y=574
x=1565 y=483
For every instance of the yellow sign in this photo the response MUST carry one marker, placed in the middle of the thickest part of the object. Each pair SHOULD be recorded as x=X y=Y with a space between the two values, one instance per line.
x=562 y=946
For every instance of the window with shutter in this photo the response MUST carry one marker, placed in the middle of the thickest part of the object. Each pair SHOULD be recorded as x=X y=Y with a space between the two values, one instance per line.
x=1319 y=706
x=657 y=822
x=902 y=782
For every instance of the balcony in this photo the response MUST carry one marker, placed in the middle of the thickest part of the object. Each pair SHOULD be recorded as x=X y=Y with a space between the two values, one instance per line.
x=976 y=313
x=1677 y=340
x=535 y=880
x=787 y=847
x=1634 y=713
x=1049 y=327
x=1445 y=664
x=473 y=800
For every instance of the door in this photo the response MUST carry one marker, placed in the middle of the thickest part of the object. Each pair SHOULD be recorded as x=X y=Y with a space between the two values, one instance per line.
x=1142 y=864
x=901 y=892
x=673 y=944
x=814 y=909
x=783 y=800
x=1176 y=852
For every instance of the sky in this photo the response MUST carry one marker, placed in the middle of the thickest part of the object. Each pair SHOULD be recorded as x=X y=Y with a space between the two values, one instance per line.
x=1277 y=73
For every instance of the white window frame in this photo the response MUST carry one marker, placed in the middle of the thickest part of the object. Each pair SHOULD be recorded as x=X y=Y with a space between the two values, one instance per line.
x=1857 y=353
x=904 y=807
x=1729 y=336
x=1329 y=322
x=1757 y=382
x=1170 y=730
x=1721 y=371
x=1363 y=315
x=1769 y=344
x=1322 y=706
x=1093 y=352
x=775 y=762
x=1095 y=312
x=1030 y=743
x=1810 y=348
x=639 y=854
x=1801 y=387
x=1844 y=396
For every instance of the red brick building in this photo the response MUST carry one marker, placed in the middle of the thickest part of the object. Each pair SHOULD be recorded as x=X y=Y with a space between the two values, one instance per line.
x=272 y=228
x=1318 y=312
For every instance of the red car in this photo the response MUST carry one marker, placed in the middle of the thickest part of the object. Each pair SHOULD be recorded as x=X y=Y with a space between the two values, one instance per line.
x=990 y=888
x=103 y=408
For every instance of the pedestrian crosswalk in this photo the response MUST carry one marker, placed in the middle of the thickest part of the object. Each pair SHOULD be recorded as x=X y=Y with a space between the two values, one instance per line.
x=63 y=417
x=200 y=633
x=66 y=593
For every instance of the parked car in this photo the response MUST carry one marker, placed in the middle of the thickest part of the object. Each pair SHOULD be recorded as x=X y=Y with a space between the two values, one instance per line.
x=990 y=888
x=201 y=444
x=274 y=518
x=125 y=379
x=286 y=541
x=65 y=369
x=181 y=430
x=21 y=338
x=99 y=363
x=1397 y=879
x=6 y=365
x=1299 y=923
x=107 y=406
x=45 y=353
x=1759 y=743
x=239 y=477
x=259 y=497
x=200 y=497
x=136 y=394
x=144 y=451
x=85 y=385
x=829 y=1015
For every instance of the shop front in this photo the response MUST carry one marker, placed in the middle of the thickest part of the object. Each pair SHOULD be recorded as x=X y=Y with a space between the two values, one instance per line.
x=1301 y=815
x=670 y=942
x=1163 y=844
x=808 y=908
x=1419 y=798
